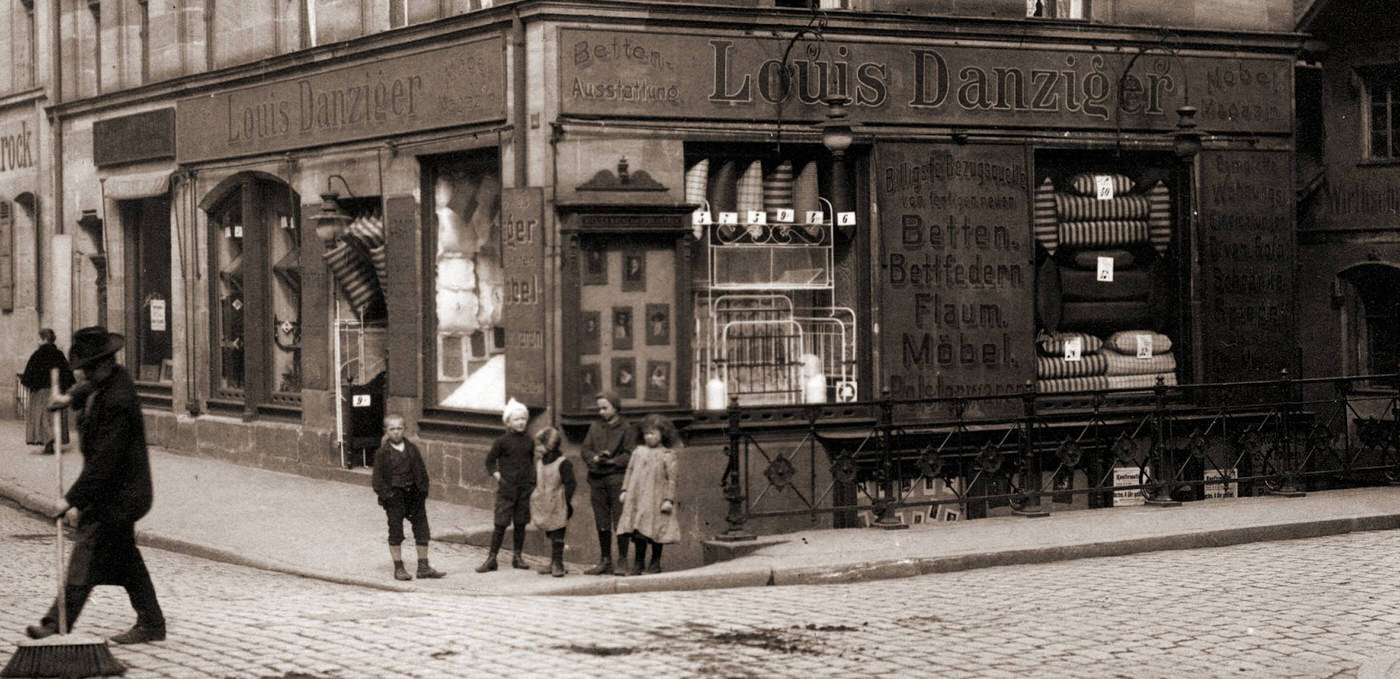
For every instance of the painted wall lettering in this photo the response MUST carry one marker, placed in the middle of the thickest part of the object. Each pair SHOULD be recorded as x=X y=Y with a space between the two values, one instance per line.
x=17 y=148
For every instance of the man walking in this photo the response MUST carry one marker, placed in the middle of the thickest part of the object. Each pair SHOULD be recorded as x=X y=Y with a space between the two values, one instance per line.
x=112 y=492
x=606 y=449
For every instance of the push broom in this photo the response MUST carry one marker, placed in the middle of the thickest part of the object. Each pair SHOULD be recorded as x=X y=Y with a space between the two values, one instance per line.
x=62 y=655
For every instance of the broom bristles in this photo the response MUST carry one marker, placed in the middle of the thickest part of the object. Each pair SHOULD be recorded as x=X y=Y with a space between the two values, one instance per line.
x=63 y=655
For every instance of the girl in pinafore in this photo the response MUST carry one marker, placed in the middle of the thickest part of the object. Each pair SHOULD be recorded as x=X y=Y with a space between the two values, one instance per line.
x=552 y=500
x=648 y=494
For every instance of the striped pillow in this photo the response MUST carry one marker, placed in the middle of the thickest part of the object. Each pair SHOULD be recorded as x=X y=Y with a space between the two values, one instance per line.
x=1140 y=381
x=1088 y=365
x=354 y=274
x=1103 y=233
x=1053 y=343
x=1046 y=221
x=805 y=191
x=1073 y=208
x=380 y=258
x=1159 y=217
x=1125 y=342
x=1085 y=184
x=695 y=179
x=777 y=188
x=750 y=190
x=1064 y=384
x=368 y=230
x=1120 y=364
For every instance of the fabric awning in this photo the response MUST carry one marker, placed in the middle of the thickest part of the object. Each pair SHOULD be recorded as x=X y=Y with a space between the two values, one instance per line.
x=137 y=185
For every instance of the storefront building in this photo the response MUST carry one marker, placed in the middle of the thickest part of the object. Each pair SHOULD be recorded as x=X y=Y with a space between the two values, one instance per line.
x=692 y=208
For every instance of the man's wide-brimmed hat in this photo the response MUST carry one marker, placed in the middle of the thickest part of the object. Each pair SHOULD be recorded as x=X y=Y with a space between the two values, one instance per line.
x=92 y=343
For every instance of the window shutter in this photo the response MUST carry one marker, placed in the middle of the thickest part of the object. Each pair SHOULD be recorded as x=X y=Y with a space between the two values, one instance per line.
x=315 y=306
x=7 y=258
x=401 y=296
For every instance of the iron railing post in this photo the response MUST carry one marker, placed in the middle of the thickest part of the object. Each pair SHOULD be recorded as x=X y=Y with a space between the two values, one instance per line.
x=1030 y=463
x=1163 y=469
x=732 y=482
x=884 y=509
x=1288 y=487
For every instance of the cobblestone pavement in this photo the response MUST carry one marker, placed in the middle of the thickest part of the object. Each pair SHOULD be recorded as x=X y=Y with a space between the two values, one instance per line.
x=1305 y=608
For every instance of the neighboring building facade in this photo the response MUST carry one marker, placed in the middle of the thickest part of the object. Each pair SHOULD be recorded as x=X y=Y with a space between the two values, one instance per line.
x=515 y=211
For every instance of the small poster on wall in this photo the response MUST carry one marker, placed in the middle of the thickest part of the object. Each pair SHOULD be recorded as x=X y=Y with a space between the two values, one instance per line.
x=595 y=266
x=634 y=271
x=590 y=384
x=624 y=377
x=658 y=324
x=589 y=338
x=622 y=328
x=658 y=381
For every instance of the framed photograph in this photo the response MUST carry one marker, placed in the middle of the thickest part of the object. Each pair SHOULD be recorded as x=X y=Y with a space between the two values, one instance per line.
x=634 y=271
x=595 y=266
x=149 y=372
x=622 y=328
x=590 y=383
x=590 y=333
x=624 y=377
x=658 y=322
x=658 y=381
x=167 y=370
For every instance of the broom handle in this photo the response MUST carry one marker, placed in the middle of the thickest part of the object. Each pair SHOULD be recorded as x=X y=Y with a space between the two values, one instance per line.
x=58 y=464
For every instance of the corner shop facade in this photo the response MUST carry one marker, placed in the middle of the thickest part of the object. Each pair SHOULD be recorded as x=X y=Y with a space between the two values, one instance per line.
x=527 y=183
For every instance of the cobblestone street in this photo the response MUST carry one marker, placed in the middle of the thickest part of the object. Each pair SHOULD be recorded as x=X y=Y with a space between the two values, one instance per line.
x=1304 y=608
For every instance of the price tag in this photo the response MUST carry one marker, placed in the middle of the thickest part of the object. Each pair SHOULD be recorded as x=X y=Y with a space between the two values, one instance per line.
x=1144 y=346
x=784 y=215
x=757 y=217
x=729 y=218
x=1105 y=270
x=1103 y=187
x=1074 y=348
x=845 y=392
x=700 y=218
x=845 y=219
x=157 y=315
x=237 y=230
x=815 y=217
x=359 y=401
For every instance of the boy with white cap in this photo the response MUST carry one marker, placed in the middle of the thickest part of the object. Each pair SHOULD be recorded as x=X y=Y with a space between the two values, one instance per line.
x=512 y=463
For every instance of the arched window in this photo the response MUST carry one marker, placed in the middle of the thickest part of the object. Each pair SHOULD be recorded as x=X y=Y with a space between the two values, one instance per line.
x=1371 y=313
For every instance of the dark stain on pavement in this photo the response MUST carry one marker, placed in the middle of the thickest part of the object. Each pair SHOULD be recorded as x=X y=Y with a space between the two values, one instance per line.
x=603 y=651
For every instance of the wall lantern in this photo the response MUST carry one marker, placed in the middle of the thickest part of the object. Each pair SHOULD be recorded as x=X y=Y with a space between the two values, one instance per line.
x=1186 y=139
x=837 y=134
x=331 y=221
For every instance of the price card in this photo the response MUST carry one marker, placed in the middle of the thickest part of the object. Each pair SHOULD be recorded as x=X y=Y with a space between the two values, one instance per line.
x=1144 y=346
x=1105 y=270
x=757 y=217
x=700 y=218
x=359 y=401
x=237 y=230
x=1103 y=187
x=845 y=219
x=1074 y=348
x=729 y=218
x=157 y=315
x=814 y=217
x=784 y=215
x=845 y=392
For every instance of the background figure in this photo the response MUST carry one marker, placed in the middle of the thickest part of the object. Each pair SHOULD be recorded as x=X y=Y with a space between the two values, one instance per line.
x=648 y=495
x=552 y=500
x=605 y=450
x=38 y=422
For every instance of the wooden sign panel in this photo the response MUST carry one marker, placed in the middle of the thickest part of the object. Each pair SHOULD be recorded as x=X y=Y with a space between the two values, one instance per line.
x=1247 y=261
x=955 y=276
x=522 y=247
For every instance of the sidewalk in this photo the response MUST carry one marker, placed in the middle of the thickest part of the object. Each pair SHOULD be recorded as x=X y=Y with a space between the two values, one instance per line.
x=334 y=531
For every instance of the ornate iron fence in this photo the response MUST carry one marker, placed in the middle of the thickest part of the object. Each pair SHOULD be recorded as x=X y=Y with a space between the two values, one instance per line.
x=895 y=462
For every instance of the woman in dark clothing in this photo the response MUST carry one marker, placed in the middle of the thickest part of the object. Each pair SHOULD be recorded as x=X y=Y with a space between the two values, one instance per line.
x=38 y=421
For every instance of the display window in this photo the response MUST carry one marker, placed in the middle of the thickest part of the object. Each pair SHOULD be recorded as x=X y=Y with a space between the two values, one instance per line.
x=147 y=224
x=255 y=245
x=772 y=326
x=466 y=357
x=1107 y=274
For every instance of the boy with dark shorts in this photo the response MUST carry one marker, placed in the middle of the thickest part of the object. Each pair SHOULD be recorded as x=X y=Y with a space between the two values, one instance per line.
x=400 y=480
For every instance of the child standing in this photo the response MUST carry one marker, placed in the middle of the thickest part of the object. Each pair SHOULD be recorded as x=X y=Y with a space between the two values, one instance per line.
x=648 y=494
x=400 y=479
x=552 y=500
x=512 y=463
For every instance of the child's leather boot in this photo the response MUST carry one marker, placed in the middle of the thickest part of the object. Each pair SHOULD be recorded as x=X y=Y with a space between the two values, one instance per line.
x=488 y=565
x=427 y=572
x=517 y=562
x=400 y=573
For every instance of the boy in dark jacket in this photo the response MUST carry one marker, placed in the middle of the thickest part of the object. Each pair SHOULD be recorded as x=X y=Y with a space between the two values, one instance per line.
x=400 y=480
x=512 y=463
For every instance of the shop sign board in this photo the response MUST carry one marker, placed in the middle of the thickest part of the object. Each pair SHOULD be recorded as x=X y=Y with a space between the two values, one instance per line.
x=1366 y=199
x=955 y=274
x=449 y=86
x=149 y=135
x=1127 y=476
x=738 y=77
x=522 y=312
x=1247 y=252
x=19 y=146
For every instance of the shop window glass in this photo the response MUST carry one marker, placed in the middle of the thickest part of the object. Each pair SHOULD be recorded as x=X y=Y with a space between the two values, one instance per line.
x=148 y=223
x=1381 y=116
x=468 y=355
x=228 y=229
x=1105 y=281
x=1058 y=9
x=769 y=328
x=1373 y=314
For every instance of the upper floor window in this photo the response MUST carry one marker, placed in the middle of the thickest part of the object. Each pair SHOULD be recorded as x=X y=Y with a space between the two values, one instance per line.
x=1058 y=9
x=1381 y=117
x=23 y=51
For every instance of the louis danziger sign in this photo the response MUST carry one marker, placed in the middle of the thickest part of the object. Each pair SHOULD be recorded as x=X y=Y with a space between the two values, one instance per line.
x=739 y=77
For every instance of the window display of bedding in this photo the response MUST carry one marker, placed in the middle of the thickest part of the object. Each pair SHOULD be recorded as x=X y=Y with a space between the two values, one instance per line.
x=1100 y=289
